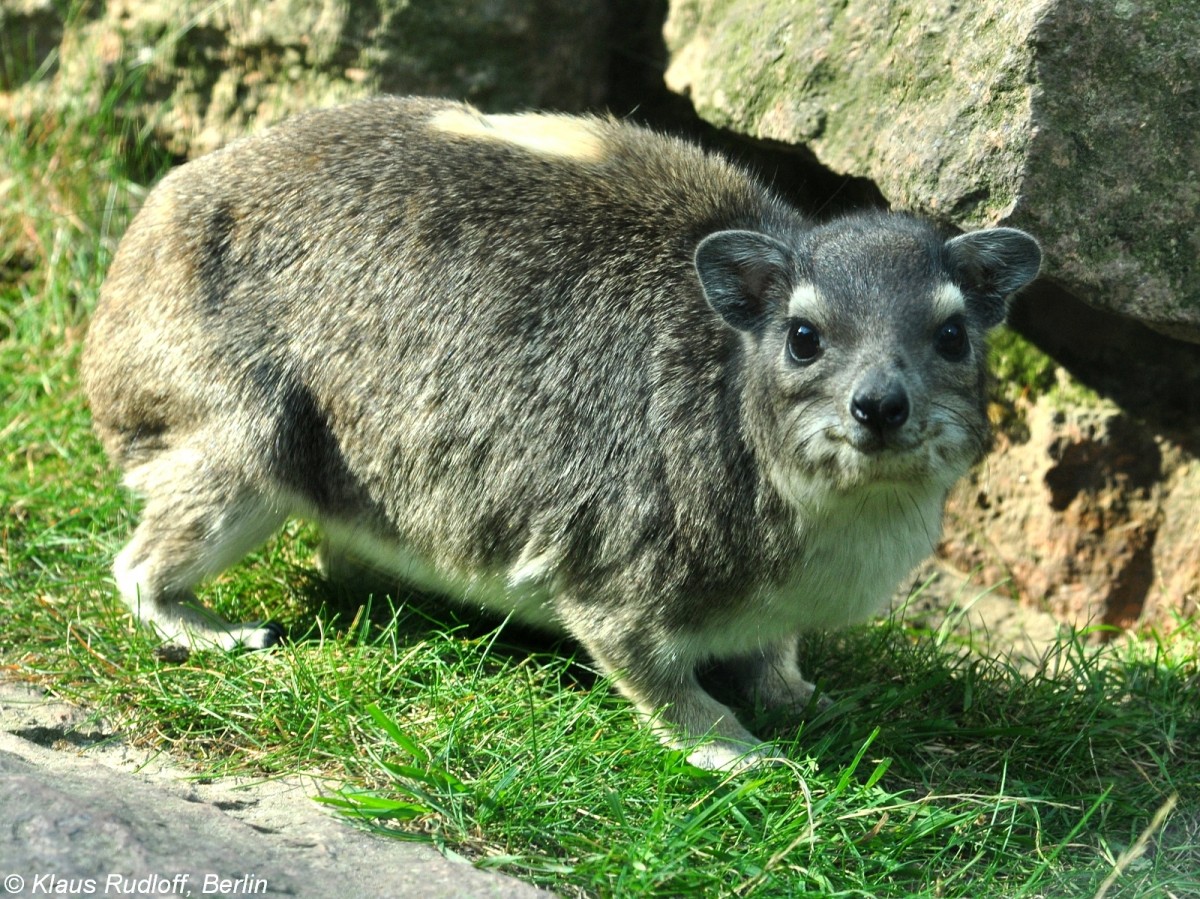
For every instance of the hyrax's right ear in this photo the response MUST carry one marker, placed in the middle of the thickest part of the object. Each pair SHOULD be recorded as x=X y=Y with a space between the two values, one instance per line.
x=743 y=273
x=995 y=263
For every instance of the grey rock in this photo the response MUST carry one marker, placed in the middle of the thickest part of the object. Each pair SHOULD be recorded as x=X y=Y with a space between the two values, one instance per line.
x=201 y=73
x=73 y=813
x=1072 y=119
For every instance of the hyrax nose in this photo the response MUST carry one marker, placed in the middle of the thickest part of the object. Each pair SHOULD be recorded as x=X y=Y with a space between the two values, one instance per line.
x=882 y=408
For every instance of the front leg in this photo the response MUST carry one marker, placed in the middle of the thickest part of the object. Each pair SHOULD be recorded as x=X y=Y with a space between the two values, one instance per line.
x=770 y=678
x=662 y=685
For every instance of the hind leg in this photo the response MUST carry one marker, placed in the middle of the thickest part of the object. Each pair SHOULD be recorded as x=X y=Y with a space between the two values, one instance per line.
x=196 y=523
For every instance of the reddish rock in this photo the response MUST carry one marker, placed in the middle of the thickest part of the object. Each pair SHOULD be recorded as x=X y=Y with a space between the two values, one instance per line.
x=1092 y=517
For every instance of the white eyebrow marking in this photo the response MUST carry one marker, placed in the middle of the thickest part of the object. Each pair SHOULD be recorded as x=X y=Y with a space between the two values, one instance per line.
x=806 y=302
x=948 y=301
x=550 y=135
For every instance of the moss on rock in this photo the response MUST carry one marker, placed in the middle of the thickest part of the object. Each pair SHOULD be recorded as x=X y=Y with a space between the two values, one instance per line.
x=210 y=72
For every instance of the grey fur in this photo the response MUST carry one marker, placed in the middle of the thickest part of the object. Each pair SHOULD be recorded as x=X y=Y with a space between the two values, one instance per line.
x=524 y=360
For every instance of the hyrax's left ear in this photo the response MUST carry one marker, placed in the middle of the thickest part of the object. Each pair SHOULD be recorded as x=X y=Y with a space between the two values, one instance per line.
x=994 y=263
x=743 y=273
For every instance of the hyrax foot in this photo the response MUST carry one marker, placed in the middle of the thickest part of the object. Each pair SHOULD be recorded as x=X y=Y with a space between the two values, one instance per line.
x=788 y=694
x=732 y=758
x=727 y=746
x=192 y=627
x=178 y=619
x=196 y=523
x=253 y=635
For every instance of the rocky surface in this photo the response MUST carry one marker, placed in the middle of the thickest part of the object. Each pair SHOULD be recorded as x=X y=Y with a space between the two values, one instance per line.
x=201 y=73
x=1089 y=514
x=1070 y=118
x=83 y=813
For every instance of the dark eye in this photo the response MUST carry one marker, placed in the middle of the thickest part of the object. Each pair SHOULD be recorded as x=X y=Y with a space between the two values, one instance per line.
x=951 y=339
x=804 y=342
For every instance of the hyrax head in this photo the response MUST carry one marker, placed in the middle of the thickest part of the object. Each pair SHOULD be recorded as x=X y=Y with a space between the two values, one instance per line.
x=865 y=345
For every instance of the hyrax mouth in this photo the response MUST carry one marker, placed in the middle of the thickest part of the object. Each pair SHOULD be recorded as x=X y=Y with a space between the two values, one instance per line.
x=883 y=446
x=857 y=456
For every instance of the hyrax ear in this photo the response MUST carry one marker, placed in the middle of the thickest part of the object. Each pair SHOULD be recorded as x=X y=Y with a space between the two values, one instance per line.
x=741 y=271
x=994 y=264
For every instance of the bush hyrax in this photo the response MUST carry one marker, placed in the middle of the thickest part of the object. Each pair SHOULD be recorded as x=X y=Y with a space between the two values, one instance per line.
x=564 y=368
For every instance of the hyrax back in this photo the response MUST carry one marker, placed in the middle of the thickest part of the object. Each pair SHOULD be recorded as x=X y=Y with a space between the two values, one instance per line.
x=561 y=367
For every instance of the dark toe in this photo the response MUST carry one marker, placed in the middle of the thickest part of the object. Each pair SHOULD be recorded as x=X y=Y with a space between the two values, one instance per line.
x=266 y=635
x=272 y=634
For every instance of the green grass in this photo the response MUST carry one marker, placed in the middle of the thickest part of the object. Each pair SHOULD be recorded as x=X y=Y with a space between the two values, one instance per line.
x=937 y=772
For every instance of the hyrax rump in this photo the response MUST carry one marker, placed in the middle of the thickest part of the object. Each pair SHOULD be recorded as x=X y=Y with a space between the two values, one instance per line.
x=564 y=368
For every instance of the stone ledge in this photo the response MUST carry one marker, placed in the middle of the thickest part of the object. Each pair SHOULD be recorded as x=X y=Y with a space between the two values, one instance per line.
x=81 y=804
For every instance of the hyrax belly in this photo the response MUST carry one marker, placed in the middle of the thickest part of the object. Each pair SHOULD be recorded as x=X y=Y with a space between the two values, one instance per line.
x=562 y=367
x=523 y=591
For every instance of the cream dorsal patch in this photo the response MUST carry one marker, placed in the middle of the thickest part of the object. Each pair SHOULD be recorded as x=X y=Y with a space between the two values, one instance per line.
x=550 y=135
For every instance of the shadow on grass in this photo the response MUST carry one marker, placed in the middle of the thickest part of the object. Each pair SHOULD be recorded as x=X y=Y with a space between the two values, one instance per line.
x=935 y=772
